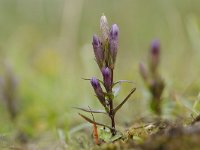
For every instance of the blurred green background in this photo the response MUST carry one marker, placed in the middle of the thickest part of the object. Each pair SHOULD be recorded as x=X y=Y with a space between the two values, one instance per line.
x=47 y=43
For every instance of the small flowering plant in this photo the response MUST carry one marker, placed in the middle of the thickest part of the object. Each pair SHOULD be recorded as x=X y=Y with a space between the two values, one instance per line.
x=152 y=78
x=105 y=50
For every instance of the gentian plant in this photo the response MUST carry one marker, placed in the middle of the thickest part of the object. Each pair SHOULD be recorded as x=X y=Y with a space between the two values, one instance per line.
x=152 y=78
x=105 y=50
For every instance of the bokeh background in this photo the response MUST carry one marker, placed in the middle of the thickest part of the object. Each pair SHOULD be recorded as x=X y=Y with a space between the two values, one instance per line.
x=46 y=45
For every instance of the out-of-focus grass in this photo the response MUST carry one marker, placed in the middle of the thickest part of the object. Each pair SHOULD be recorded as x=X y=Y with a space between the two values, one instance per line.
x=48 y=44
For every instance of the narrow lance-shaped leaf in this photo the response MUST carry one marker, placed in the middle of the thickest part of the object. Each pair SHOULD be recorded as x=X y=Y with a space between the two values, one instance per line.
x=89 y=79
x=124 y=101
x=86 y=79
x=90 y=110
x=94 y=122
x=121 y=81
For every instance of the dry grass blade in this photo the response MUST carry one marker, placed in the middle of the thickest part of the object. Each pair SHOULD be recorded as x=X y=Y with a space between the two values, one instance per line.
x=124 y=101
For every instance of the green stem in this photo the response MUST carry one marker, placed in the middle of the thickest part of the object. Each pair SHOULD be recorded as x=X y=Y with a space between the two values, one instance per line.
x=111 y=113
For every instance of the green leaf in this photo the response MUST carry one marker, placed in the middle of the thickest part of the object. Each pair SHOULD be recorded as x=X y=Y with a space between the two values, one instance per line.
x=116 y=137
x=124 y=101
x=121 y=81
x=91 y=111
x=88 y=79
x=94 y=122
x=105 y=134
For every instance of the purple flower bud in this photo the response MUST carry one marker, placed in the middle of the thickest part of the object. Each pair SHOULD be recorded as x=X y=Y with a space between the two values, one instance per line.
x=98 y=51
x=104 y=28
x=95 y=83
x=98 y=90
x=155 y=47
x=114 y=31
x=154 y=57
x=113 y=42
x=107 y=79
x=143 y=71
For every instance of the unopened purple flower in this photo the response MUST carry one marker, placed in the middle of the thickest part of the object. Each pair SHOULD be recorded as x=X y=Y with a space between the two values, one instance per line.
x=114 y=31
x=95 y=83
x=98 y=51
x=104 y=28
x=98 y=90
x=113 y=42
x=155 y=47
x=107 y=79
x=154 y=54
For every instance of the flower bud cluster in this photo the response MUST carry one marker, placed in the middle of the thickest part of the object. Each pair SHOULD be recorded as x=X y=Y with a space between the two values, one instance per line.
x=105 y=50
x=152 y=78
x=105 y=47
